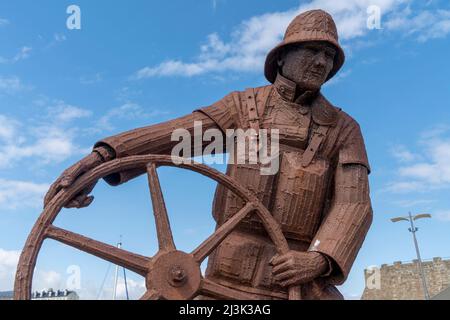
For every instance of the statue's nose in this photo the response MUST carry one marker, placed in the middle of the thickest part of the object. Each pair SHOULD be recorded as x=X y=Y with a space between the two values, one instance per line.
x=320 y=59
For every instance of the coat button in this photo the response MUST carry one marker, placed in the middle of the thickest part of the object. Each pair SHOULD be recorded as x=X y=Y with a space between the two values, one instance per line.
x=304 y=110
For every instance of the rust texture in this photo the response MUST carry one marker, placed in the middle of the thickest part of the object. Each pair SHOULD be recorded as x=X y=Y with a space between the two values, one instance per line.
x=291 y=235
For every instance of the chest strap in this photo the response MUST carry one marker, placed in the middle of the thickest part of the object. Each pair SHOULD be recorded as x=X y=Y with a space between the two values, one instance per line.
x=253 y=119
x=252 y=109
x=317 y=139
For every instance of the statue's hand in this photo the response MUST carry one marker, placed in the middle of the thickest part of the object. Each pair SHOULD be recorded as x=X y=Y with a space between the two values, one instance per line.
x=68 y=177
x=295 y=268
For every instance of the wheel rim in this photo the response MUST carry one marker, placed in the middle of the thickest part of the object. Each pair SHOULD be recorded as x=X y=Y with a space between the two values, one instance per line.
x=44 y=229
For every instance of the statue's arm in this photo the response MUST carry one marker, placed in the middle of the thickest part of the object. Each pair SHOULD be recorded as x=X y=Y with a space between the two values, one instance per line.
x=154 y=139
x=344 y=228
x=157 y=139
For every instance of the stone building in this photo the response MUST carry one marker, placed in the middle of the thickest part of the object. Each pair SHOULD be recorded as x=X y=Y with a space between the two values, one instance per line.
x=44 y=295
x=55 y=295
x=402 y=281
x=6 y=295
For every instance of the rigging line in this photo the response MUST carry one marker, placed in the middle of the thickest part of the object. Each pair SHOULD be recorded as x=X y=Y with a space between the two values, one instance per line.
x=103 y=282
x=126 y=284
x=116 y=276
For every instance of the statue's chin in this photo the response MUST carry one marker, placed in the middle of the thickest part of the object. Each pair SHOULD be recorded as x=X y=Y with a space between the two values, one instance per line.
x=309 y=86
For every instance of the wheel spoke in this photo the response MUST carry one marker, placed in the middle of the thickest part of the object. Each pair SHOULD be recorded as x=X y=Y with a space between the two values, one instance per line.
x=151 y=295
x=126 y=259
x=221 y=233
x=215 y=290
x=295 y=293
x=165 y=238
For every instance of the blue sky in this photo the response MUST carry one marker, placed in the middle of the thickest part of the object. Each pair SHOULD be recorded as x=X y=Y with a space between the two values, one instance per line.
x=134 y=64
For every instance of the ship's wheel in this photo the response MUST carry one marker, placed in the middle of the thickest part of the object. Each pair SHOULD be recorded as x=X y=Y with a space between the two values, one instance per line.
x=170 y=274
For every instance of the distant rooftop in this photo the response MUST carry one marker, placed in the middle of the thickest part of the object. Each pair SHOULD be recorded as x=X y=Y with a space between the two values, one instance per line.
x=50 y=293
x=6 y=294
x=44 y=294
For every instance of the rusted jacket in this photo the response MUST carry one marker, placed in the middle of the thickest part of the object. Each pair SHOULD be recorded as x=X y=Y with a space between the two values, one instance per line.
x=324 y=207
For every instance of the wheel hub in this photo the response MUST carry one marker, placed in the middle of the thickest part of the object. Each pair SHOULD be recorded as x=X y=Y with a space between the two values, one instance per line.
x=174 y=275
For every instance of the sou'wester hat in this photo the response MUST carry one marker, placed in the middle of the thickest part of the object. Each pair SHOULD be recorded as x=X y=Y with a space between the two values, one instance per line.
x=314 y=25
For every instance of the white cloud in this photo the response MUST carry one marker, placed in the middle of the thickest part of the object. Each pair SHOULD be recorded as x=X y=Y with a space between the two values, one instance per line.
x=443 y=215
x=96 y=78
x=59 y=37
x=11 y=85
x=128 y=111
x=126 y=94
x=430 y=169
x=64 y=112
x=351 y=15
x=253 y=38
x=43 y=144
x=3 y=22
x=23 y=54
x=339 y=77
x=412 y=203
x=402 y=154
x=435 y=171
x=8 y=265
x=55 y=147
x=425 y=25
x=18 y=194
x=246 y=51
x=215 y=3
x=42 y=279
x=8 y=128
x=45 y=280
x=404 y=187
x=135 y=288
x=48 y=140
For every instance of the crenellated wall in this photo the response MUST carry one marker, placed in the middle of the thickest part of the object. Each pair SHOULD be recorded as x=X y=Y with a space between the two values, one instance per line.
x=401 y=281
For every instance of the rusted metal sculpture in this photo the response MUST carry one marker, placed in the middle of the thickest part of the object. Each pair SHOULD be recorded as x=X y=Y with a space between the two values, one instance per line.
x=299 y=229
x=170 y=274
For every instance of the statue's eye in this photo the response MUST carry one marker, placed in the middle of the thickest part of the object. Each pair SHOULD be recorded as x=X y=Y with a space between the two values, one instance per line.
x=329 y=54
x=313 y=51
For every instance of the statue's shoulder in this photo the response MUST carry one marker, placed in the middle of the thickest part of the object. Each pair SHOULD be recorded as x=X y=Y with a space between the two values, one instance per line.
x=237 y=102
x=260 y=93
x=345 y=138
x=324 y=113
x=264 y=91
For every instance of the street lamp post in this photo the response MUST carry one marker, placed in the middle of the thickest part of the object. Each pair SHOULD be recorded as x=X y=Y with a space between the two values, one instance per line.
x=413 y=230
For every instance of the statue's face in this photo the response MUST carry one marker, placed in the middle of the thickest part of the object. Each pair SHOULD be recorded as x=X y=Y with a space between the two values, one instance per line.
x=307 y=64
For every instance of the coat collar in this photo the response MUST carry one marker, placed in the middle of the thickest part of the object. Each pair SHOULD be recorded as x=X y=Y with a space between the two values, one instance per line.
x=286 y=88
x=322 y=111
